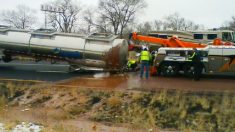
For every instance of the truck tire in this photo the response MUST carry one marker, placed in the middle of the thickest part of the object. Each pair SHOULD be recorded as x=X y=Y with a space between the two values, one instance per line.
x=169 y=69
x=189 y=70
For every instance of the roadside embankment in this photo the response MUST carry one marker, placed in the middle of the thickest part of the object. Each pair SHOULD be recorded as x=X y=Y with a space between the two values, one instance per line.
x=56 y=107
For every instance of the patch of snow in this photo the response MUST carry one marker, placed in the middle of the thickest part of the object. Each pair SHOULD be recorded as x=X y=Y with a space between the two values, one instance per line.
x=25 y=110
x=27 y=127
x=2 y=127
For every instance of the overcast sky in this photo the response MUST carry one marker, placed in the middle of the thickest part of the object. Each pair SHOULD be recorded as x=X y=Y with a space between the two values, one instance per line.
x=211 y=13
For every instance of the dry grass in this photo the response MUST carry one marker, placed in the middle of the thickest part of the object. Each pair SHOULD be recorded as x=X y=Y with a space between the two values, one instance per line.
x=165 y=110
x=61 y=128
x=114 y=102
x=3 y=102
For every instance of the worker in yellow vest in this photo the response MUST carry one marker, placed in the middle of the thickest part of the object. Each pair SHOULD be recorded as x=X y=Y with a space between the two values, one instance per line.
x=145 y=58
x=132 y=64
x=195 y=58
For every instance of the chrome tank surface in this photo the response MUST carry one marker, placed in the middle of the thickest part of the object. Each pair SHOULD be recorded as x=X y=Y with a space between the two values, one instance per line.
x=102 y=51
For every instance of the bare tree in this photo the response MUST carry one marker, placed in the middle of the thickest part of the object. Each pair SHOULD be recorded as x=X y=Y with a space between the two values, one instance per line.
x=225 y=26
x=188 y=25
x=174 y=21
x=129 y=29
x=95 y=23
x=228 y=25
x=22 y=18
x=66 y=19
x=232 y=24
x=119 y=13
x=89 y=19
x=145 y=27
x=103 y=25
x=158 y=25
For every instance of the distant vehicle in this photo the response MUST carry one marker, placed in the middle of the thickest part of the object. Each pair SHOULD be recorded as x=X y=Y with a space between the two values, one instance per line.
x=94 y=52
x=197 y=36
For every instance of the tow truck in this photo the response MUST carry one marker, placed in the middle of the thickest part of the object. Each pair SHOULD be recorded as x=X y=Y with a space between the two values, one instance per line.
x=216 y=59
x=173 y=55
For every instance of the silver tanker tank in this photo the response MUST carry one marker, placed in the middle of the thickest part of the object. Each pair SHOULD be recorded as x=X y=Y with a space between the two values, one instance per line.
x=97 y=51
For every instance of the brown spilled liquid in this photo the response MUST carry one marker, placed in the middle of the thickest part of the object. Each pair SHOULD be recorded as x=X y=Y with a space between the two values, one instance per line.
x=132 y=81
x=110 y=82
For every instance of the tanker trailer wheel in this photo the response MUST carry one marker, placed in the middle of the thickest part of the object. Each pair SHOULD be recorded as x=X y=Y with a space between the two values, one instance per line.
x=169 y=69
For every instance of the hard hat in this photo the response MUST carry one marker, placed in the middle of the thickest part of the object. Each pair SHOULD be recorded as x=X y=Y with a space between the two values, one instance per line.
x=175 y=36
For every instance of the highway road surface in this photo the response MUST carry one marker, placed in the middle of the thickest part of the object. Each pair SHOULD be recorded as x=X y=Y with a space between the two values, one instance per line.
x=45 y=71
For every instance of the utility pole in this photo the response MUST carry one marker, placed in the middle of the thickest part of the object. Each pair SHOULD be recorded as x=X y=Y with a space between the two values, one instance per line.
x=45 y=20
x=48 y=8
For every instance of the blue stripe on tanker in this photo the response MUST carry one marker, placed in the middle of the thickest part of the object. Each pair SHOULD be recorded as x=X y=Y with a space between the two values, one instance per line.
x=69 y=54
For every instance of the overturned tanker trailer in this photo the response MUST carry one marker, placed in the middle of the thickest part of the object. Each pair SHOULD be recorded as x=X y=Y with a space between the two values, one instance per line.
x=94 y=52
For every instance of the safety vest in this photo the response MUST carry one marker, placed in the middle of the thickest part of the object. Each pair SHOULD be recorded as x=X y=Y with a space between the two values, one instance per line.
x=192 y=56
x=145 y=55
x=131 y=62
x=195 y=57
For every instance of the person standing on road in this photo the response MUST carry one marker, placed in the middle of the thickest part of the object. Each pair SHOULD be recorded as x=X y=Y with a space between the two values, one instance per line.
x=144 y=58
x=196 y=61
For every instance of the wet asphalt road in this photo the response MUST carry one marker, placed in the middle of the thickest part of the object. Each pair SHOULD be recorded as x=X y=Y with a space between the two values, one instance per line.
x=43 y=71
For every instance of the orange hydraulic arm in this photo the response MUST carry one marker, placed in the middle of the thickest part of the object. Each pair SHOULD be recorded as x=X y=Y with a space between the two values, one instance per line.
x=172 y=42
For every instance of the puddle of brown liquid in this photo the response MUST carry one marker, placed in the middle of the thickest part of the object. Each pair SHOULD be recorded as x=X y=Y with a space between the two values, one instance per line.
x=111 y=82
x=132 y=81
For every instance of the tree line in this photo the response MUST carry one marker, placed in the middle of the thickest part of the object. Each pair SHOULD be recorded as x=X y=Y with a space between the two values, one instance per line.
x=110 y=16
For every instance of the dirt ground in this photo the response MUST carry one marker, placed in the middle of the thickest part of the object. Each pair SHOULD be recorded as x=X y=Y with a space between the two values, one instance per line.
x=59 y=97
x=53 y=120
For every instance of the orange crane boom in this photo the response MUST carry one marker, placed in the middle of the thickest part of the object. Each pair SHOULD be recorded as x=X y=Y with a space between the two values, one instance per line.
x=172 y=42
